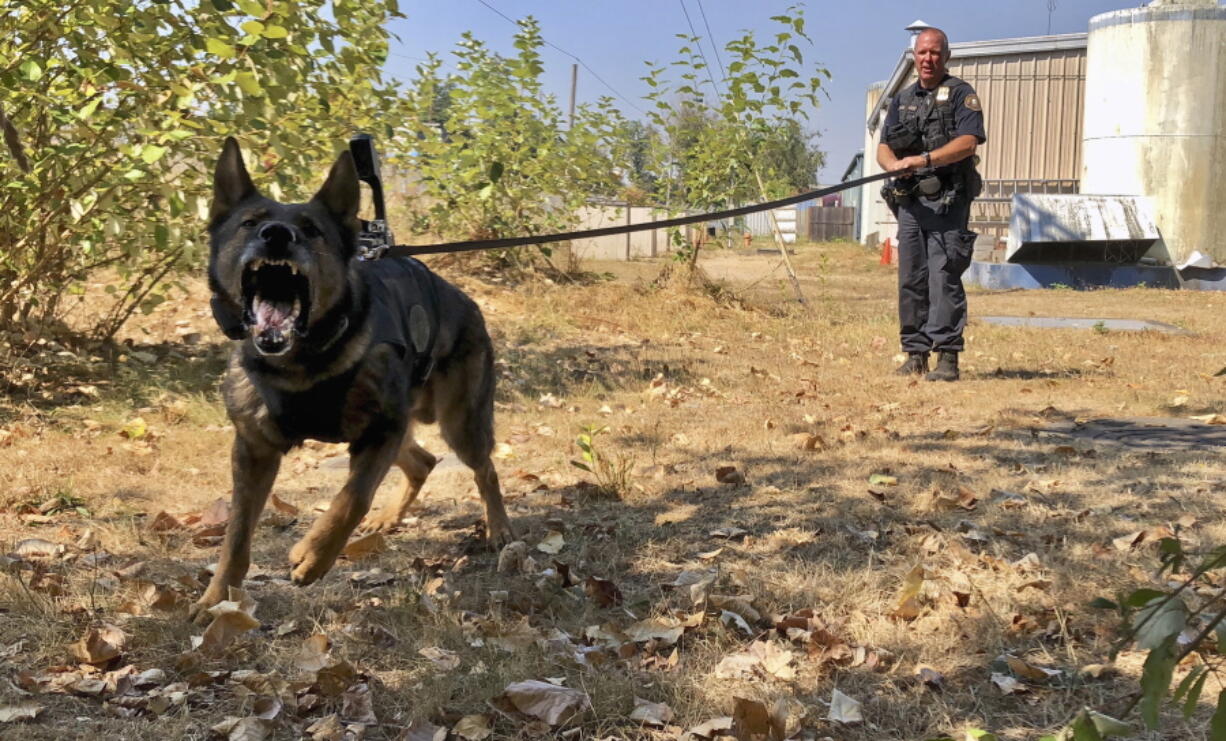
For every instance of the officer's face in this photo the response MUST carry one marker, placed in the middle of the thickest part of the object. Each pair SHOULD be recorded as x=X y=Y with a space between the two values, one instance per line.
x=930 y=59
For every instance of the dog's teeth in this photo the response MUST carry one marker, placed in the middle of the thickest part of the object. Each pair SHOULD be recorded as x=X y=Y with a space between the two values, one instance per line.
x=293 y=268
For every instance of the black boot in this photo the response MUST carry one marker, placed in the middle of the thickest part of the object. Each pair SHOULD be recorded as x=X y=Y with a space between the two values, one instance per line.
x=916 y=365
x=947 y=368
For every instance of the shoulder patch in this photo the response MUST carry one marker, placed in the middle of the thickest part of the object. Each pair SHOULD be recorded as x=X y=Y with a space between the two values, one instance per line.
x=942 y=93
x=972 y=102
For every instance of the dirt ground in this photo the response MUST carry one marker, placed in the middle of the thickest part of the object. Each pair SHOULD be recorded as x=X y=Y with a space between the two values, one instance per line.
x=778 y=526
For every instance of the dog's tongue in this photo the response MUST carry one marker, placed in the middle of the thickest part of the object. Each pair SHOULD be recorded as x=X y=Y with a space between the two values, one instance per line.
x=272 y=316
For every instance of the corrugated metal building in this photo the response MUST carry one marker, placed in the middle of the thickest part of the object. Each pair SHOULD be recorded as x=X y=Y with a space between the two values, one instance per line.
x=1033 y=93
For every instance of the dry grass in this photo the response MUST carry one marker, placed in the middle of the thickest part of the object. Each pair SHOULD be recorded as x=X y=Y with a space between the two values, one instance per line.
x=739 y=381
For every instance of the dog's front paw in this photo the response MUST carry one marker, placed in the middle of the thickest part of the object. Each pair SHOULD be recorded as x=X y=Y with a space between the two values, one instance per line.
x=198 y=613
x=499 y=534
x=383 y=521
x=309 y=562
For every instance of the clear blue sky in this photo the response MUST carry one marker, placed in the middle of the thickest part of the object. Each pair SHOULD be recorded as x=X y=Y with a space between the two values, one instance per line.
x=858 y=42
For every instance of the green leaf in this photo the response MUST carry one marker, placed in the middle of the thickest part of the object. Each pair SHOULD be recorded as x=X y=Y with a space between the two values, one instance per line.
x=220 y=48
x=1102 y=603
x=1160 y=620
x=31 y=70
x=222 y=5
x=250 y=85
x=1217 y=724
x=976 y=734
x=1108 y=726
x=253 y=27
x=1142 y=597
x=152 y=153
x=1193 y=690
x=1083 y=729
x=251 y=7
x=1156 y=679
x=581 y=466
x=495 y=172
x=88 y=109
x=275 y=32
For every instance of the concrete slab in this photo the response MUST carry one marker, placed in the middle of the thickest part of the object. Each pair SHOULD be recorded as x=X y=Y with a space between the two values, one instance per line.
x=1060 y=227
x=999 y=276
x=1147 y=433
x=1059 y=322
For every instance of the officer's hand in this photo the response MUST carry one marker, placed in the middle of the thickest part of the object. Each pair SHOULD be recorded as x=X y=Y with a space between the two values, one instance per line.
x=906 y=164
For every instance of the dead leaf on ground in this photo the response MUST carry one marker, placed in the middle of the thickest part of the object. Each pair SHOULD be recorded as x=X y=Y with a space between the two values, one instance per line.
x=931 y=678
x=231 y=618
x=420 y=730
x=712 y=728
x=552 y=543
x=99 y=645
x=443 y=659
x=844 y=709
x=728 y=533
x=750 y=719
x=356 y=705
x=602 y=591
x=695 y=583
x=651 y=713
x=473 y=727
x=217 y=513
x=365 y=547
x=164 y=522
x=908 y=607
x=1007 y=684
x=313 y=654
x=547 y=702
x=729 y=475
x=20 y=712
x=665 y=630
x=282 y=506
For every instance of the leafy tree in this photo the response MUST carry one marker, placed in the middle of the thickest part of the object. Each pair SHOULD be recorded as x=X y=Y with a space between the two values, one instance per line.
x=719 y=137
x=113 y=113
x=502 y=164
x=787 y=156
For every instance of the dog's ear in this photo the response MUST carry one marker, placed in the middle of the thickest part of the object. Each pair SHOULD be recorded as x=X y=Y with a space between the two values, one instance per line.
x=231 y=183
x=340 y=193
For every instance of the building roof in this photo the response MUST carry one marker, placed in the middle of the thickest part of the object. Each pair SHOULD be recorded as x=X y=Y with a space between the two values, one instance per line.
x=996 y=47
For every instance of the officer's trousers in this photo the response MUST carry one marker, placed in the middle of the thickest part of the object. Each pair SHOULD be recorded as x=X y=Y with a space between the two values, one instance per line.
x=934 y=250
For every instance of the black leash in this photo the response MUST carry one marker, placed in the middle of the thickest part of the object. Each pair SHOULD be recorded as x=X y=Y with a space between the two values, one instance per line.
x=404 y=250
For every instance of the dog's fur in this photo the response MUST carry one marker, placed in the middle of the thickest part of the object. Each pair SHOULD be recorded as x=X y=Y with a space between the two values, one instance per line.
x=312 y=366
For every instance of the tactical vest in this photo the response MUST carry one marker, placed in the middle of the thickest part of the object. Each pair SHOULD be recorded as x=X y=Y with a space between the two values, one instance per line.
x=926 y=123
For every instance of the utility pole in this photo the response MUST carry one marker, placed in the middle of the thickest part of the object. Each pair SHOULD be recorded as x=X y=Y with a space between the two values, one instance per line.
x=574 y=84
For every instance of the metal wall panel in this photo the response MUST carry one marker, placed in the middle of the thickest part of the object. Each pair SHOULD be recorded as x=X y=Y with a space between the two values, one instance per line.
x=1033 y=105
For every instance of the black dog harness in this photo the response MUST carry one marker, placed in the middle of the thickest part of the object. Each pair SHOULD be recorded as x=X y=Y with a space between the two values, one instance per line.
x=404 y=304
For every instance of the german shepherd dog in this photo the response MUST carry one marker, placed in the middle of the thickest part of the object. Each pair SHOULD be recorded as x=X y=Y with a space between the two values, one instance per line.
x=332 y=348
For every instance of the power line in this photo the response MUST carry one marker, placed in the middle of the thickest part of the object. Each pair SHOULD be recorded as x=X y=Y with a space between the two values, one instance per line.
x=572 y=56
x=701 y=53
x=711 y=39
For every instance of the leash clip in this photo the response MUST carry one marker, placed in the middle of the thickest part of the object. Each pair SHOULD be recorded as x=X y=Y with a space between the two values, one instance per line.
x=374 y=240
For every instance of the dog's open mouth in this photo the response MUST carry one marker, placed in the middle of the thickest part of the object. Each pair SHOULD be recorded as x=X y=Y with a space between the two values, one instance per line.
x=276 y=303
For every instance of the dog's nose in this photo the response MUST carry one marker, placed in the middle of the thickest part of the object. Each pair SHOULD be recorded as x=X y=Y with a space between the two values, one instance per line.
x=276 y=234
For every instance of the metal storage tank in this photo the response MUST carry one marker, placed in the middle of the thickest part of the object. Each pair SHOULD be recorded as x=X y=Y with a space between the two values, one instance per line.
x=1155 y=117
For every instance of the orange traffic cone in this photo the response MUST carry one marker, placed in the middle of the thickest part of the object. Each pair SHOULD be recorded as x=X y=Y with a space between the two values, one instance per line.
x=887 y=257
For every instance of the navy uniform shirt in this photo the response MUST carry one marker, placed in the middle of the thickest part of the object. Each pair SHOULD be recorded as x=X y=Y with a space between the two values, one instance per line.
x=968 y=112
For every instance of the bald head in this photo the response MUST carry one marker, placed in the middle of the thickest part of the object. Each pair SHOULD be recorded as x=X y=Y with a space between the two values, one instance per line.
x=936 y=36
x=931 y=54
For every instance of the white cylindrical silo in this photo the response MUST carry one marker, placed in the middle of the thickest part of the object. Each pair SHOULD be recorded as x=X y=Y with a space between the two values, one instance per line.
x=1155 y=117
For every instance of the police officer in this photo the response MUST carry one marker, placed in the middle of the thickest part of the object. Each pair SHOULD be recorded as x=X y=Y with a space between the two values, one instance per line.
x=929 y=139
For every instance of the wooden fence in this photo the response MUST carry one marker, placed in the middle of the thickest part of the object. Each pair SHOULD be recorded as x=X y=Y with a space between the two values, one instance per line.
x=827 y=223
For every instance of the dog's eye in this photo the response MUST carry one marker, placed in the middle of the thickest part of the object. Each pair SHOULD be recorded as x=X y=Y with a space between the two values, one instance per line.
x=249 y=223
x=310 y=230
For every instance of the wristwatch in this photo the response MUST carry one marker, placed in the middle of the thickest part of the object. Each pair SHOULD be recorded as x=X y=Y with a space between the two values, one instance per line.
x=927 y=159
